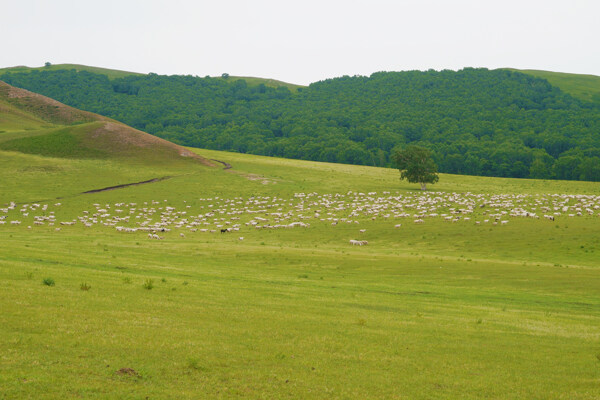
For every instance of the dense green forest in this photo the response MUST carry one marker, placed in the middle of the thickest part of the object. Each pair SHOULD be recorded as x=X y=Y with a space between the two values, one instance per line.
x=475 y=121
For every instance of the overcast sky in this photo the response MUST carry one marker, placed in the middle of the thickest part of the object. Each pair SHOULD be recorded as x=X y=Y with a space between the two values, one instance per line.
x=302 y=41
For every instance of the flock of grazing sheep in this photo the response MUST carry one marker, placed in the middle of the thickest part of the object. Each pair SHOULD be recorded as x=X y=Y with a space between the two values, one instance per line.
x=225 y=215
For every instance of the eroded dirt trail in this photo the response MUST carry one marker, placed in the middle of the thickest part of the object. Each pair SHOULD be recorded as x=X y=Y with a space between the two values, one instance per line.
x=226 y=165
x=127 y=185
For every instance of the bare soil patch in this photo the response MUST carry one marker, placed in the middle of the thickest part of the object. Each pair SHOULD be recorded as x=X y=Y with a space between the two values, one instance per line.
x=128 y=372
x=225 y=164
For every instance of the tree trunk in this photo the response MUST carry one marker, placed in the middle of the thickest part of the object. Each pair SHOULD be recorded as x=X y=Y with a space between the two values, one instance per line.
x=423 y=186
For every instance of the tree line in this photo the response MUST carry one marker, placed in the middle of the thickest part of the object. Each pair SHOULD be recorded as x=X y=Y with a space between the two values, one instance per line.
x=474 y=121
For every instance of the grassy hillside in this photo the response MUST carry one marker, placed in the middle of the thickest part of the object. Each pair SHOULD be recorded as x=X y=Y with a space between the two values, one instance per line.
x=433 y=310
x=34 y=124
x=585 y=87
x=14 y=119
x=110 y=73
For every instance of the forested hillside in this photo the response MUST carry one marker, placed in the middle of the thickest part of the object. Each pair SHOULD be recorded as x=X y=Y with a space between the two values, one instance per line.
x=476 y=121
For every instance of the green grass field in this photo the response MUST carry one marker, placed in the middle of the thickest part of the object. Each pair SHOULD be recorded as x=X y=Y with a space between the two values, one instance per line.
x=426 y=311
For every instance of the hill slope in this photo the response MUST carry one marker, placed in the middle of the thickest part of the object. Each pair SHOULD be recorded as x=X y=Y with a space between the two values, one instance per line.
x=476 y=121
x=35 y=124
x=585 y=87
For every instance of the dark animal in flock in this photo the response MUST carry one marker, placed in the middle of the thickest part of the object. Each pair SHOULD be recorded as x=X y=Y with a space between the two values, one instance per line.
x=224 y=230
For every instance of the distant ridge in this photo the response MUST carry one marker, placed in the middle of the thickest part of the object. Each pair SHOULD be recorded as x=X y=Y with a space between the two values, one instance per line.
x=115 y=74
x=254 y=81
x=35 y=124
x=111 y=73
x=583 y=86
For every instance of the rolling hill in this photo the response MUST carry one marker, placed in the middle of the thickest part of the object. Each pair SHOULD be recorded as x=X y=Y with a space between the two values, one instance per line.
x=34 y=124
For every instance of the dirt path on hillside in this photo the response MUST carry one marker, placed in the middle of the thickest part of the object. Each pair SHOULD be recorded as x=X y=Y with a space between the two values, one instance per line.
x=225 y=164
x=127 y=185
x=251 y=177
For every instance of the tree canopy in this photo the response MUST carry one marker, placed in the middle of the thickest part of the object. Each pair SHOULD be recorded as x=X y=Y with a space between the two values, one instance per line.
x=416 y=165
x=474 y=121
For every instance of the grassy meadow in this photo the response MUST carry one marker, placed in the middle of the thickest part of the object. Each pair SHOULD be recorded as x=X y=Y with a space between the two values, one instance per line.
x=436 y=310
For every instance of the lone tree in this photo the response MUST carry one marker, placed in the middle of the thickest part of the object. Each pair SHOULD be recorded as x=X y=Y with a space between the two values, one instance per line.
x=416 y=165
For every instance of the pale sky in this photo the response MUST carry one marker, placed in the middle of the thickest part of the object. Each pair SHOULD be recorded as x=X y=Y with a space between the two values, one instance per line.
x=302 y=41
